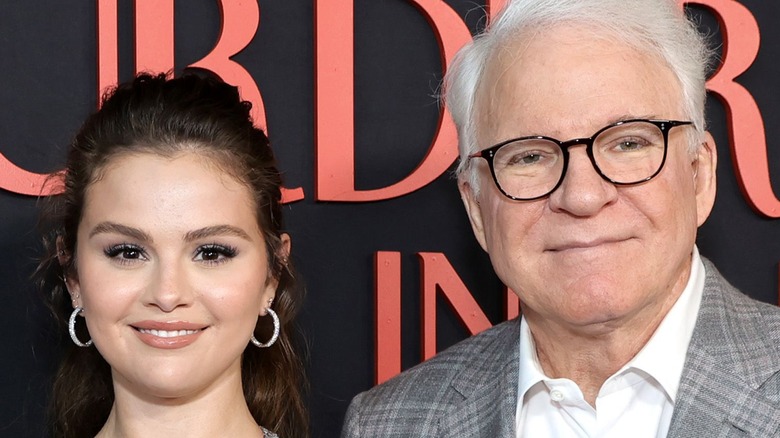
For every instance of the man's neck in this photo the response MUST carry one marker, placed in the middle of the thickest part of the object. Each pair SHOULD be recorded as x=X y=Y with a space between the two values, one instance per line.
x=590 y=354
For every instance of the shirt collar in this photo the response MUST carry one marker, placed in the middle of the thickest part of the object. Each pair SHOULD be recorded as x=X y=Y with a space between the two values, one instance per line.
x=662 y=357
x=530 y=369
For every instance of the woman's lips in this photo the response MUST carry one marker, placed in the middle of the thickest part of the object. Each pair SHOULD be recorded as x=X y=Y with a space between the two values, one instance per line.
x=168 y=334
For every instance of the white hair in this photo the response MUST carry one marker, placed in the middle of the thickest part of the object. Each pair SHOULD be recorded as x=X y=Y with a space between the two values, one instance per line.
x=659 y=28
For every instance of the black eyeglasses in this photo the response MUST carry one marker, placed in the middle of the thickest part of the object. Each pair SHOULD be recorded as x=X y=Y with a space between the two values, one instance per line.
x=623 y=153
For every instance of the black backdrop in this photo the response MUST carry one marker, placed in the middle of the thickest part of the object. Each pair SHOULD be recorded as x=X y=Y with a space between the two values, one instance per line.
x=48 y=85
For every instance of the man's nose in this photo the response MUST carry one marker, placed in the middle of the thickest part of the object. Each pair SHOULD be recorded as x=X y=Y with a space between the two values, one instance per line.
x=583 y=192
x=169 y=288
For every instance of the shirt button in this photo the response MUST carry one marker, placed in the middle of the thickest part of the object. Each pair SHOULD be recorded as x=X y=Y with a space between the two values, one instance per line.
x=556 y=395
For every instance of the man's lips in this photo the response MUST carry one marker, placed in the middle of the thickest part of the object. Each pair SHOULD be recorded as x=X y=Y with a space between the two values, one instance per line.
x=575 y=244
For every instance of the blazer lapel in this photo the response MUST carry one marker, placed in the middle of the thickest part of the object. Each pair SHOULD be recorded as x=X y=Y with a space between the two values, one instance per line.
x=489 y=392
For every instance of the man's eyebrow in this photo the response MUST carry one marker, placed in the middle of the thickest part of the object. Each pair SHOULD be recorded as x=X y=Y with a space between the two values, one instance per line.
x=112 y=227
x=216 y=230
x=624 y=117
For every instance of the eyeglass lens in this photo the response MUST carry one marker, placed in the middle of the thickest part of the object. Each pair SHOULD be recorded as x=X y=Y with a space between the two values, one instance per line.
x=625 y=154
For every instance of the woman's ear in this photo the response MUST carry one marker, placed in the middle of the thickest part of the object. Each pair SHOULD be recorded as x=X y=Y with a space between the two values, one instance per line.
x=284 y=249
x=269 y=292
x=71 y=283
x=63 y=256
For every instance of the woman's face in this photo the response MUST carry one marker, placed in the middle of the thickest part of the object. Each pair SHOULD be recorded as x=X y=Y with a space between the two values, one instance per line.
x=172 y=273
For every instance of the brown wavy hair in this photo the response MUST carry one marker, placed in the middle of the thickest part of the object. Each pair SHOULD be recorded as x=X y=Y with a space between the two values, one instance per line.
x=160 y=115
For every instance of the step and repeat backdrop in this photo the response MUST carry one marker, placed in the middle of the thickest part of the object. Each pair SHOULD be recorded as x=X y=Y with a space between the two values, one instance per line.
x=348 y=92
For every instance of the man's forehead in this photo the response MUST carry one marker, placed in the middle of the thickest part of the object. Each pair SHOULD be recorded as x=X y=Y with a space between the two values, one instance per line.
x=563 y=76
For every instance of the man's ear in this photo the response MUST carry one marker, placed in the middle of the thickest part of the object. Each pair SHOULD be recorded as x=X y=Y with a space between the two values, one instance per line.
x=705 y=179
x=473 y=209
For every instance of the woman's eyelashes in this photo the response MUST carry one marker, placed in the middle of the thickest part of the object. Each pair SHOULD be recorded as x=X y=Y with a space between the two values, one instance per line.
x=211 y=254
x=215 y=253
x=126 y=253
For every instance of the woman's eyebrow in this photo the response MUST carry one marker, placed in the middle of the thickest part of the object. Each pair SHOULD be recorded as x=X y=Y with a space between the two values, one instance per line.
x=216 y=230
x=113 y=227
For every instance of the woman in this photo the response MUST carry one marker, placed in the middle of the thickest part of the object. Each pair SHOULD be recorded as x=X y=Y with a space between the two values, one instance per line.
x=168 y=262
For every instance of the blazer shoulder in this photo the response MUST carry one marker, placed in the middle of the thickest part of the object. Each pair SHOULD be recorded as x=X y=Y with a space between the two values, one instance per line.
x=420 y=394
x=481 y=351
x=739 y=333
x=727 y=312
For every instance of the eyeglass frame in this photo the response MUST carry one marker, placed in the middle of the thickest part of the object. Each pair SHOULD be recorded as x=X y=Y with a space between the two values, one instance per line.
x=663 y=125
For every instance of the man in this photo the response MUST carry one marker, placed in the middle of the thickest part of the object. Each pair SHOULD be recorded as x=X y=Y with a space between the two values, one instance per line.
x=586 y=171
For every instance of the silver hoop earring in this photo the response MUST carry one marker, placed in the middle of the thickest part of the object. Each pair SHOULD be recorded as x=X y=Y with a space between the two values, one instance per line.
x=72 y=328
x=275 y=336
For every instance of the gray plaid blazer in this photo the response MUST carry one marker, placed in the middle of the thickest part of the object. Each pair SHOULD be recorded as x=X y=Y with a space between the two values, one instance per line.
x=730 y=385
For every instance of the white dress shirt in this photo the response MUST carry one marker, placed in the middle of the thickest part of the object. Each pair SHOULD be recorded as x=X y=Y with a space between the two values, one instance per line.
x=637 y=401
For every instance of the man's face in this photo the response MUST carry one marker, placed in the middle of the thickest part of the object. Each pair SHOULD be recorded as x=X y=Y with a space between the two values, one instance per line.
x=591 y=255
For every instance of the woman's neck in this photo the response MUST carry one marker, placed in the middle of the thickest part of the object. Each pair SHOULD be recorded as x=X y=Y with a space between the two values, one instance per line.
x=219 y=410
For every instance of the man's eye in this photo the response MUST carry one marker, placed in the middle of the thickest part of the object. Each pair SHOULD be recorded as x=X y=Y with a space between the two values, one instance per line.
x=630 y=144
x=525 y=159
x=530 y=159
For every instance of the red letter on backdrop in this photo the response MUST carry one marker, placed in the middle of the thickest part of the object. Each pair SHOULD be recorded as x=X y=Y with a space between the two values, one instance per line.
x=154 y=49
x=438 y=274
x=240 y=21
x=387 y=292
x=153 y=39
x=17 y=180
x=335 y=116
x=747 y=139
x=107 y=45
x=511 y=304
x=153 y=35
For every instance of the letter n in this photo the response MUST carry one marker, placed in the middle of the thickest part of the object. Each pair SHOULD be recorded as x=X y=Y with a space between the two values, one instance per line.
x=438 y=276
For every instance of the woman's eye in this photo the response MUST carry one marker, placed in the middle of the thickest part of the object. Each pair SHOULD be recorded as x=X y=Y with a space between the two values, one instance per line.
x=215 y=253
x=125 y=252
